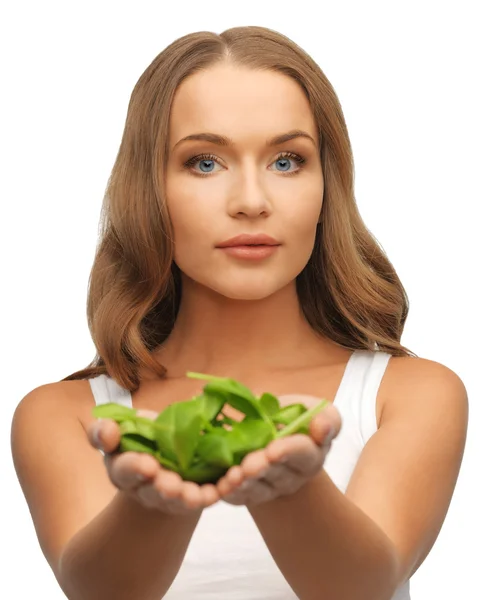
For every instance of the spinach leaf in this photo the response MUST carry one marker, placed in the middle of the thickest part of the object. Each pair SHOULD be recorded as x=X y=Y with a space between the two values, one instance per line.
x=204 y=473
x=232 y=392
x=269 y=403
x=289 y=413
x=190 y=438
x=111 y=410
x=301 y=424
x=248 y=436
x=213 y=449
x=132 y=442
x=183 y=421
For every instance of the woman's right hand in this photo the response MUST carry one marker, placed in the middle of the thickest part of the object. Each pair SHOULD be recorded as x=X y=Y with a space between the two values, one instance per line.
x=162 y=489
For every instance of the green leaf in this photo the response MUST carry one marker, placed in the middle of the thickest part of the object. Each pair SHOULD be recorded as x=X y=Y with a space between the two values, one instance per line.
x=112 y=410
x=132 y=442
x=121 y=414
x=148 y=427
x=302 y=422
x=269 y=403
x=211 y=406
x=249 y=436
x=183 y=421
x=203 y=473
x=127 y=426
x=232 y=392
x=289 y=413
x=228 y=421
x=214 y=450
x=165 y=436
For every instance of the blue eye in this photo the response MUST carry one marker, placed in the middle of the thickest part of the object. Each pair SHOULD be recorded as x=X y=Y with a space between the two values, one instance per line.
x=209 y=159
x=286 y=158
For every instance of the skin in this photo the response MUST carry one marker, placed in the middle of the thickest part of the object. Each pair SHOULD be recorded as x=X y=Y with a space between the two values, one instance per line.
x=238 y=316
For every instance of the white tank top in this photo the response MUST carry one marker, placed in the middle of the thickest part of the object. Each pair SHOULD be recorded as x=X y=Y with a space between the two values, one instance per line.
x=227 y=559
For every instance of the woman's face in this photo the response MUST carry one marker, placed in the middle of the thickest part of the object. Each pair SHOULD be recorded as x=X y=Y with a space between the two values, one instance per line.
x=247 y=186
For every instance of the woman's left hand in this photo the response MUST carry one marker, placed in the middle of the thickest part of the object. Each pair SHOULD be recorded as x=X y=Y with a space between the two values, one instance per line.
x=286 y=464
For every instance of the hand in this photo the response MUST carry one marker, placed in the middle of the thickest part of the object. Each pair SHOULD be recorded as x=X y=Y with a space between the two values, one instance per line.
x=161 y=489
x=285 y=465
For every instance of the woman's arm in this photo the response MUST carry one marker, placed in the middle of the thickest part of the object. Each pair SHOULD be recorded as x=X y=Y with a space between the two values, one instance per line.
x=371 y=540
x=99 y=541
x=127 y=551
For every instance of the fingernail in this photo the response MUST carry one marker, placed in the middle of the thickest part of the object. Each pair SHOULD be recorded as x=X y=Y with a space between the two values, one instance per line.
x=329 y=437
x=96 y=436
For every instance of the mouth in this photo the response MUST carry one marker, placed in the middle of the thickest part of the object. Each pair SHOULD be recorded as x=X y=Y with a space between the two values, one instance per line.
x=249 y=240
x=250 y=251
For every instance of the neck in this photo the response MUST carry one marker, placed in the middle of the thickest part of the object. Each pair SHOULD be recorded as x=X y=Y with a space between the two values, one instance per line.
x=228 y=337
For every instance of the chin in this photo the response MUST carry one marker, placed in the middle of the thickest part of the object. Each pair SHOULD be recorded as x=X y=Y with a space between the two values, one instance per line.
x=248 y=290
x=244 y=294
x=241 y=285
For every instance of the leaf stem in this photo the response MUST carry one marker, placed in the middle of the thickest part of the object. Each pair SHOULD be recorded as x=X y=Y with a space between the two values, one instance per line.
x=193 y=375
x=302 y=420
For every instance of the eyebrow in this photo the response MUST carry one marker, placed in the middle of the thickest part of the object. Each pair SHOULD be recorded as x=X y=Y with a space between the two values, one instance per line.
x=222 y=140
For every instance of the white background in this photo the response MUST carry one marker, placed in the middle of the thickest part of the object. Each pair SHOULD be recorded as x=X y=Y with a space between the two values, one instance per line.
x=406 y=75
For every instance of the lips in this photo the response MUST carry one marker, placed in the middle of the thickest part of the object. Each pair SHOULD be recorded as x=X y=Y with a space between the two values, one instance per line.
x=245 y=239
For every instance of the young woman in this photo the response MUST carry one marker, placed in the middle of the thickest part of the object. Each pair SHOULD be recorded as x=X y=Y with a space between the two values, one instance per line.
x=232 y=245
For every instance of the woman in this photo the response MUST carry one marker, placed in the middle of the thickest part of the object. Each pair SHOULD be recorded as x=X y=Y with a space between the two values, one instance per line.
x=241 y=134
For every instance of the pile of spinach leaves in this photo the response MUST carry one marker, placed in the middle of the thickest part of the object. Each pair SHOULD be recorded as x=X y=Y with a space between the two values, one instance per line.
x=190 y=437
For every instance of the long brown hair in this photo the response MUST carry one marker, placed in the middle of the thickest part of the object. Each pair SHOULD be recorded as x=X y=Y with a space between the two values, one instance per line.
x=349 y=290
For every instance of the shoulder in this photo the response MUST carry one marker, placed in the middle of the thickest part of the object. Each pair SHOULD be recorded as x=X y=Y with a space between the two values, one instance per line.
x=67 y=398
x=419 y=384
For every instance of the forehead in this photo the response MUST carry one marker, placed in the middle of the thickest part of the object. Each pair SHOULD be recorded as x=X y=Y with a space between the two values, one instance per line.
x=240 y=103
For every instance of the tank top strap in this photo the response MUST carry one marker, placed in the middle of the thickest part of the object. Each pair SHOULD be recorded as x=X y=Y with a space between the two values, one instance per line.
x=359 y=388
x=105 y=389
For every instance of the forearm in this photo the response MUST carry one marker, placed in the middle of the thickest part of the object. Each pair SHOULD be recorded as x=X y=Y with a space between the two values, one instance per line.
x=127 y=551
x=327 y=547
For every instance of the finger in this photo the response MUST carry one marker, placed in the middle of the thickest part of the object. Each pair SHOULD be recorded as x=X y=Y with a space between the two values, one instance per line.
x=125 y=469
x=104 y=434
x=255 y=463
x=174 y=495
x=302 y=454
x=257 y=491
x=169 y=484
x=251 y=492
x=191 y=495
x=277 y=474
x=209 y=494
x=285 y=480
x=325 y=426
x=163 y=492
x=230 y=481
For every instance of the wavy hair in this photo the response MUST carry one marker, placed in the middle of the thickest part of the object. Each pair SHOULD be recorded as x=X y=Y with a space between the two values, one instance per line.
x=349 y=291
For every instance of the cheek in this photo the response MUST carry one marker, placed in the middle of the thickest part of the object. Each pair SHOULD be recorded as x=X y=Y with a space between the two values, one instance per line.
x=193 y=238
x=190 y=223
x=302 y=226
x=192 y=208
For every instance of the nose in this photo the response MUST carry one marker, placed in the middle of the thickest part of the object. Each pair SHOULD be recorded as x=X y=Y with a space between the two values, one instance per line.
x=249 y=197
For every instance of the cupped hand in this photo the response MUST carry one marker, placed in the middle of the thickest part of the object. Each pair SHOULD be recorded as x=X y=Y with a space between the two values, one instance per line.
x=286 y=464
x=141 y=476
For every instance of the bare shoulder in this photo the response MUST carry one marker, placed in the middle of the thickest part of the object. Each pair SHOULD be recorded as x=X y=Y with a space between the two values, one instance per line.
x=66 y=398
x=419 y=383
